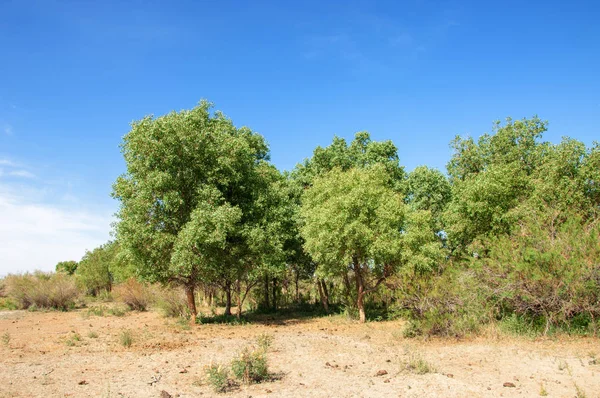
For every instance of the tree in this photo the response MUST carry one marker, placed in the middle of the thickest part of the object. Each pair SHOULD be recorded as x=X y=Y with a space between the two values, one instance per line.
x=187 y=196
x=68 y=267
x=428 y=189
x=94 y=270
x=353 y=219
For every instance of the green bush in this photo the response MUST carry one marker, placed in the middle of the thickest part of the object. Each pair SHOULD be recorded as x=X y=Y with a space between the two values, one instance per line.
x=217 y=376
x=545 y=276
x=452 y=304
x=40 y=290
x=250 y=366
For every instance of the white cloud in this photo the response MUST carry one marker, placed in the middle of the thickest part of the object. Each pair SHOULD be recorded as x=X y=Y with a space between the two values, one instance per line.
x=8 y=130
x=6 y=162
x=38 y=235
x=21 y=173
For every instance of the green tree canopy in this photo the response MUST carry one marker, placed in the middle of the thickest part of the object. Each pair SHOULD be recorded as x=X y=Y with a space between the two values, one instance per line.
x=188 y=196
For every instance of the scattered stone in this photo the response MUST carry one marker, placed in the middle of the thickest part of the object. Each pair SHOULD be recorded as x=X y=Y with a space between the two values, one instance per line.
x=388 y=360
x=450 y=375
x=82 y=383
x=489 y=388
x=381 y=372
x=268 y=391
x=183 y=371
x=164 y=394
x=509 y=384
x=386 y=381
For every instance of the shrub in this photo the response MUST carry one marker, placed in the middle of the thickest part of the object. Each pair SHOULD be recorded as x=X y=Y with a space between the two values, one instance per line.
x=452 y=304
x=134 y=294
x=126 y=338
x=41 y=290
x=250 y=366
x=546 y=273
x=418 y=365
x=217 y=377
x=172 y=303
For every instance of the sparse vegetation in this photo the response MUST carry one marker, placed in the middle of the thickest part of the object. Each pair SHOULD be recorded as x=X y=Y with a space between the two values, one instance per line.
x=44 y=291
x=92 y=334
x=217 y=376
x=126 y=338
x=134 y=294
x=6 y=338
x=250 y=366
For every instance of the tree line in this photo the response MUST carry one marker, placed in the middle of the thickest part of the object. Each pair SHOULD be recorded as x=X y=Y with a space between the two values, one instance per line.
x=510 y=231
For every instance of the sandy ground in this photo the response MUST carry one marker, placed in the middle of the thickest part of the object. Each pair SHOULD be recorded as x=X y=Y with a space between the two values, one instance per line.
x=322 y=357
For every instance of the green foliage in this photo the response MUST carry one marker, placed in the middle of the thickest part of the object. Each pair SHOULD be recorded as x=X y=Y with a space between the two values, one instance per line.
x=417 y=365
x=547 y=270
x=189 y=198
x=92 y=334
x=217 y=376
x=68 y=267
x=250 y=366
x=94 y=270
x=56 y=291
x=452 y=304
x=349 y=214
x=6 y=338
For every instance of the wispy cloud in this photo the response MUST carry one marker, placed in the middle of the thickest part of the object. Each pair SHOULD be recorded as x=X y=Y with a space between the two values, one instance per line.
x=40 y=226
x=6 y=162
x=21 y=173
x=8 y=130
x=38 y=235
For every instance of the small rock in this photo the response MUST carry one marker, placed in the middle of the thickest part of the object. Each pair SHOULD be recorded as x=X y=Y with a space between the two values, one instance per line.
x=508 y=384
x=268 y=391
x=388 y=360
x=450 y=375
x=183 y=371
x=489 y=388
x=82 y=383
x=327 y=364
x=386 y=381
x=164 y=394
x=381 y=372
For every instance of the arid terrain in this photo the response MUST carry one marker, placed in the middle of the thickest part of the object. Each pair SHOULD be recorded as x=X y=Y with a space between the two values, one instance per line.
x=77 y=354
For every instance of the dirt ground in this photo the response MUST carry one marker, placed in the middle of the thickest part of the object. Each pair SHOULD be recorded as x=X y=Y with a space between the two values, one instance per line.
x=319 y=357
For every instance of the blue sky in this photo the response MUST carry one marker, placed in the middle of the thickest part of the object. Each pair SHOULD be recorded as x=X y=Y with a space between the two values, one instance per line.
x=74 y=74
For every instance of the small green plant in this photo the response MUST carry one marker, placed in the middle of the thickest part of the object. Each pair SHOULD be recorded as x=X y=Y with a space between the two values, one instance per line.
x=116 y=311
x=183 y=323
x=543 y=391
x=6 y=338
x=418 y=365
x=579 y=392
x=73 y=339
x=264 y=341
x=97 y=310
x=217 y=376
x=562 y=365
x=250 y=366
x=92 y=335
x=126 y=338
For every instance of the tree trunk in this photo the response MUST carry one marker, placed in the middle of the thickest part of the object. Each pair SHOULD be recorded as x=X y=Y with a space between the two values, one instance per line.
x=191 y=301
x=239 y=300
x=267 y=304
x=297 y=291
x=274 y=294
x=228 y=298
x=360 y=290
x=324 y=300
